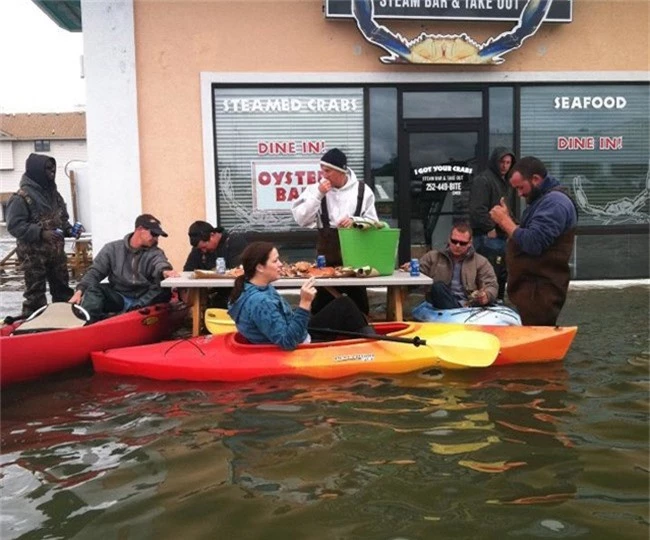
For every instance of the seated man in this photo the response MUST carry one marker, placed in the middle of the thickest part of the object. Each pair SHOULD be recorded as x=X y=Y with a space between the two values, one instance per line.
x=134 y=266
x=460 y=276
x=209 y=243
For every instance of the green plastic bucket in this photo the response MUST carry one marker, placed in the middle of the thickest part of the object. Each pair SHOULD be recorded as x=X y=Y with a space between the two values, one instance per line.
x=370 y=247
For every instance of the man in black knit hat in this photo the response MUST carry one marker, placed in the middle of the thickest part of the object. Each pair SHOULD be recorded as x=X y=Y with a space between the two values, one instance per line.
x=330 y=205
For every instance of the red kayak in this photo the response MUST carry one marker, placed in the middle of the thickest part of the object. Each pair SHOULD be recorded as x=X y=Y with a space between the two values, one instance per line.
x=29 y=356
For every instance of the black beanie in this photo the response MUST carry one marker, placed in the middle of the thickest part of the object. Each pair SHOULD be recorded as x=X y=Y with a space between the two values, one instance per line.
x=335 y=159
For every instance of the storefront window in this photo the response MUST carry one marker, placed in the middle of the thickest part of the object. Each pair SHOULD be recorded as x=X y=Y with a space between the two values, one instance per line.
x=595 y=140
x=268 y=147
x=382 y=126
x=501 y=117
x=443 y=104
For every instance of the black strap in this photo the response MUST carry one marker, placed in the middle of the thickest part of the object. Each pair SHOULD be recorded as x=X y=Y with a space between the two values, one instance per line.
x=324 y=213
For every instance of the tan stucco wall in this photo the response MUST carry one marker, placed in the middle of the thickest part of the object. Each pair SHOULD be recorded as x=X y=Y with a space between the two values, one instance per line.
x=177 y=40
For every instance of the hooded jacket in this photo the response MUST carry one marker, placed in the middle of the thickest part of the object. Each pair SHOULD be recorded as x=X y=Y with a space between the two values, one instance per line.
x=135 y=273
x=476 y=272
x=263 y=316
x=341 y=202
x=37 y=205
x=486 y=192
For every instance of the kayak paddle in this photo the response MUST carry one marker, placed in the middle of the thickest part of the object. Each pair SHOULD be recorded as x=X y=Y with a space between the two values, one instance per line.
x=467 y=348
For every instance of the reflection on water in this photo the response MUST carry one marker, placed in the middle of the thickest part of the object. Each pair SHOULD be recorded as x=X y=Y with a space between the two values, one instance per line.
x=550 y=451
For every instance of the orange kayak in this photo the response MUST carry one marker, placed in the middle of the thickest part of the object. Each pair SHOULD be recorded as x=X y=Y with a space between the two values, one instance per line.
x=226 y=357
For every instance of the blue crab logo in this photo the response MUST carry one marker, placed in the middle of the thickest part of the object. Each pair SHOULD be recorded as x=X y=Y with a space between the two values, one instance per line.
x=448 y=48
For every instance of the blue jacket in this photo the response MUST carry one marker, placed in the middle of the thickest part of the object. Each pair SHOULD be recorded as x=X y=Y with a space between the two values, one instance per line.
x=263 y=316
x=545 y=219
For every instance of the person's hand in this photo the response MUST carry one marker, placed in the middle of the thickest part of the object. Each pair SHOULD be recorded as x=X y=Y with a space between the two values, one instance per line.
x=324 y=186
x=307 y=293
x=75 y=298
x=492 y=234
x=170 y=273
x=345 y=223
x=481 y=298
x=500 y=212
x=478 y=298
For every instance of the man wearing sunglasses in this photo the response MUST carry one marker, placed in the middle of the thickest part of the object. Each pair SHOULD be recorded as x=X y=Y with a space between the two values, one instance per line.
x=461 y=277
x=134 y=266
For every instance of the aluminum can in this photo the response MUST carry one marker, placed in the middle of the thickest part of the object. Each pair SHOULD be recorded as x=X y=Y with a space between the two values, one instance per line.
x=59 y=232
x=77 y=228
x=320 y=261
x=221 y=265
x=415 y=267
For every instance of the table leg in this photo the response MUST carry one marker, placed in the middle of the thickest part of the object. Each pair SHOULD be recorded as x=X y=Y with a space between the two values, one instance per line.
x=194 y=299
x=394 y=309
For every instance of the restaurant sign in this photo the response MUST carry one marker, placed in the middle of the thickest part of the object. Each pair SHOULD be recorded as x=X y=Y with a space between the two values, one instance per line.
x=444 y=177
x=454 y=10
x=449 y=48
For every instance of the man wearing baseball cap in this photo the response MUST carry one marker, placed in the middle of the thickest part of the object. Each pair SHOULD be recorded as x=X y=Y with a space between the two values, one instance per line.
x=134 y=266
x=328 y=205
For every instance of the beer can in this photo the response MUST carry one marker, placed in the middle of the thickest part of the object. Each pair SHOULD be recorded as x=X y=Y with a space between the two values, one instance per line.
x=77 y=228
x=221 y=265
x=415 y=267
x=320 y=261
x=59 y=232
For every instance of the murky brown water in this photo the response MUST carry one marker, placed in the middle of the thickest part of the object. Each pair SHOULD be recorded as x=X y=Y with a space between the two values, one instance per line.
x=548 y=451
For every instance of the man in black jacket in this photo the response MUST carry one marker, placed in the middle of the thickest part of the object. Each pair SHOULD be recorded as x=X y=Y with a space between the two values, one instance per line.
x=487 y=189
x=208 y=244
x=38 y=218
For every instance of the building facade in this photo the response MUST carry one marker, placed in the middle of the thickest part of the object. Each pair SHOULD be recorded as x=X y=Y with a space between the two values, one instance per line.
x=220 y=111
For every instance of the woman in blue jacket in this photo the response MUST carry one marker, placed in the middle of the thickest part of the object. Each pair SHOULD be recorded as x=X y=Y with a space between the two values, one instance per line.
x=263 y=316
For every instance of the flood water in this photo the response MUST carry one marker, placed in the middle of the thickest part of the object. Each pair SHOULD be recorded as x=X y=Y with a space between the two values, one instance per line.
x=546 y=451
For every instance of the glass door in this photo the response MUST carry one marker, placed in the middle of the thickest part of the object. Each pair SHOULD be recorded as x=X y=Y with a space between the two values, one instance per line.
x=438 y=163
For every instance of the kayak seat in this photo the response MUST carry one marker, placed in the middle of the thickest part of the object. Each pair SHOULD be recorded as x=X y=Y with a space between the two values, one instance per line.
x=239 y=338
x=57 y=316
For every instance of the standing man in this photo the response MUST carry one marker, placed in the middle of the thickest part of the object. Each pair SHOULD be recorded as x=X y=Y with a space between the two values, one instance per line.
x=540 y=247
x=38 y=218
x=460 y=276
x=134 y=266
x=330 y=205
x=208 y=244
x=487 y=189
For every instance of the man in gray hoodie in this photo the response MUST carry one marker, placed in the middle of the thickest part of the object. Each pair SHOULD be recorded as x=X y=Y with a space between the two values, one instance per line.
x=134 y=266
x=487 y=189
x=38 y=218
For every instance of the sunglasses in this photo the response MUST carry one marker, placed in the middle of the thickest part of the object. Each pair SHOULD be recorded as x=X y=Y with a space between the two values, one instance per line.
x=458 y=242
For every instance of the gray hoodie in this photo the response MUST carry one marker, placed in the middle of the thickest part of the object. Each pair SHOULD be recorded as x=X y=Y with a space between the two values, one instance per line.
x=135 y=273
